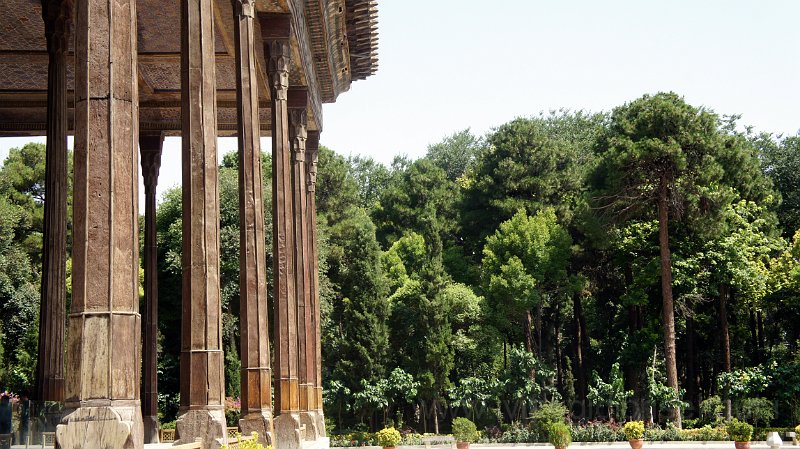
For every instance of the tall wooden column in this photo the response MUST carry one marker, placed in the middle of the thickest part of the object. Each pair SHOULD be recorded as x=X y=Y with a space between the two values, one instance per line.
x=276 y=30
x=150 y=147
x=254 y=329
x=298 y=126
x=103 y=346
x=57 y=15
x=312 y=157
x=202 y=381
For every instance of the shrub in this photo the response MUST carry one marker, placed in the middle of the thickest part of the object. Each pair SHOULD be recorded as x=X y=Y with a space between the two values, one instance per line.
x=464 y=430
x=596 y=433
x=559 y=435
x=670 y=433
x=711 y=410
x=739 y=430
x=169 y=425
x=706 y=433
x=756 y=410
x=547 y=414
x=797 y=429
x=388 y=437
x=634 y=430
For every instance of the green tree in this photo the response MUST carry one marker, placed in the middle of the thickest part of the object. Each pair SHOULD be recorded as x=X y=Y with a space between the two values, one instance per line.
x=455 y=154
x=781 y=163
x=528 y=164
x=525 y=263
x=660 y=158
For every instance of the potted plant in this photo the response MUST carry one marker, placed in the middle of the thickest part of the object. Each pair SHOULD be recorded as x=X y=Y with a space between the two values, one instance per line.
x=388 y=437
x=559 y=436
x=741 y=432
x=464 y=431
x=634 y=431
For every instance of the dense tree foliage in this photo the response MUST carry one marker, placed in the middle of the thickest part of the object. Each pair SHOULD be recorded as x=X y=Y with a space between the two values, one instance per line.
x=636 y=264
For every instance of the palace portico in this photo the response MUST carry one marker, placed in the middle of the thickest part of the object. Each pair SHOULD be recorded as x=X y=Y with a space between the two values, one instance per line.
x=120 y=75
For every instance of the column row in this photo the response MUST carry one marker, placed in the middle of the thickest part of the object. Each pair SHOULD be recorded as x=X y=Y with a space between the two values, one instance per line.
x=102 y=389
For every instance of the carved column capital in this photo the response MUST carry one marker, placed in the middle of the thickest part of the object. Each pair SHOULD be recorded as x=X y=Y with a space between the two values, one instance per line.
x=298 y=128
x=150 y=146
x=278 y=67
x=244 y=8
x=57 y=16
x=312 y=153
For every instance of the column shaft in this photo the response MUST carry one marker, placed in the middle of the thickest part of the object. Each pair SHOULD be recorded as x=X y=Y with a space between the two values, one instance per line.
x=52 y=312
x=150 y=147
x=202 y=380
x=286 y=393
x=104 y=351
x=298 y=130
x=312 y=157
x=256 y=373
x=276 y=31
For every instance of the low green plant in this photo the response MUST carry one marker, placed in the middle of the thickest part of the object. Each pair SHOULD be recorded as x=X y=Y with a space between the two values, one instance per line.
x=740 y=431
x=797 y=429
x=596 y=432
x=634 y=430
x=388 y=437
x=248 y=444
x=559 y=435
x=464 y=430
x=547 y=414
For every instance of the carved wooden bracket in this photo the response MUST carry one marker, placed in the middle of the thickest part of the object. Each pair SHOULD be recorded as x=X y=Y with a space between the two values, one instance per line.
x=57 y=15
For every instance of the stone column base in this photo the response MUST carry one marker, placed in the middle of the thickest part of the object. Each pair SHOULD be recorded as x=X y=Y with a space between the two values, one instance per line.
x=151 y=427
x=260 y=422
x=320 y=417
x=309 y=419
x=287 y=431
x=206 y=424
x=101 y=428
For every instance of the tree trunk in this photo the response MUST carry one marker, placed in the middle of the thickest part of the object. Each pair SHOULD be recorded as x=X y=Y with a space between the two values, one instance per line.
x=580 y=367
x=754 y=338
x=436 y=417
x=666 y=290
x=528 y=330
x=691 y=366
x=539 y=348
x=726 y=343
x=559 y=364
x=762 y=346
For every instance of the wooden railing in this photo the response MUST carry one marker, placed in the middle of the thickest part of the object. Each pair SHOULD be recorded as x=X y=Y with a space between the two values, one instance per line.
x=48 y=439
x=166 y=435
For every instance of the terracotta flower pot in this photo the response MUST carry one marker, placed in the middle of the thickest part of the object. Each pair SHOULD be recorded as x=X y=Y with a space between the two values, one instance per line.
x=388 y=447
x=742 y=444
x=462 y=445
x=561 y=447
x=636 y=444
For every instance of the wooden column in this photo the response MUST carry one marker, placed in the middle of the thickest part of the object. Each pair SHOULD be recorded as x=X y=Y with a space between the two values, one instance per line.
x=254 y=329
x=312 y=157
x=202 y=381
x=150 y=147
x=57 y=15
x=276 y=30
x=103 y=346
x=298 y=128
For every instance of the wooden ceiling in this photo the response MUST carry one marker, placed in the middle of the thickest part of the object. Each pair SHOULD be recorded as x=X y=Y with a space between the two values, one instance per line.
x=325 y=33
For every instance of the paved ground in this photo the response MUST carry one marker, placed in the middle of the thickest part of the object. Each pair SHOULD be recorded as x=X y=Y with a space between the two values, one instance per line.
x=619 y=445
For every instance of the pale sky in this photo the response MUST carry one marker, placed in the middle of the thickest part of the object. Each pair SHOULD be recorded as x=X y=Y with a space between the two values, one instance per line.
x=446 y=65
